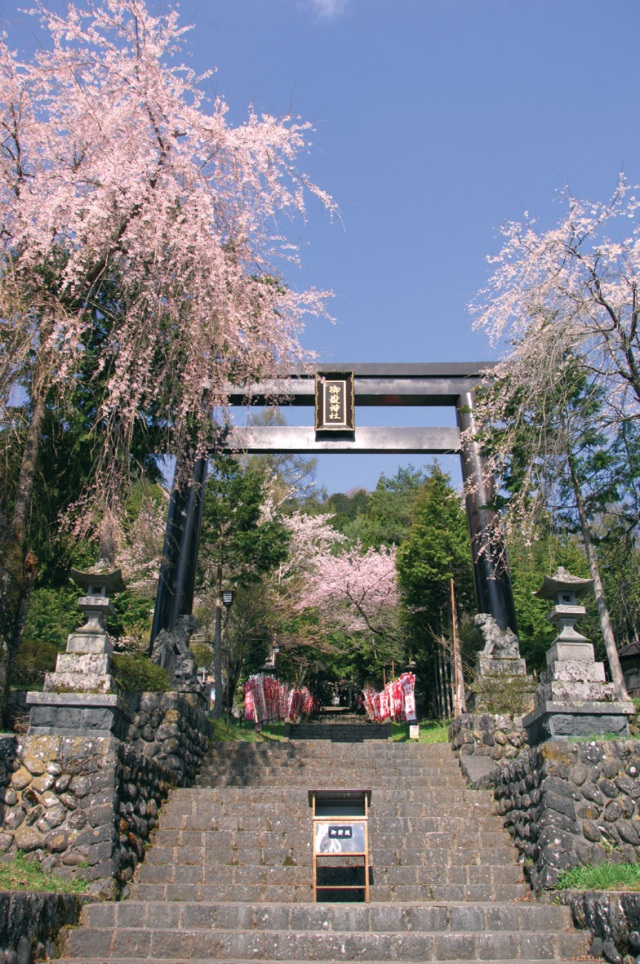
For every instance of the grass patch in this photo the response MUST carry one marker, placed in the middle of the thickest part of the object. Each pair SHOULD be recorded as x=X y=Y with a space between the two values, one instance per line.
x=605 y=876
x=243 y=732
x=431 y=731
x=27 y=875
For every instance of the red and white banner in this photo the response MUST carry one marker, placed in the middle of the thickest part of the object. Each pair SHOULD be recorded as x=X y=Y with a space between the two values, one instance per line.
x=396 y=702
x=268 y=701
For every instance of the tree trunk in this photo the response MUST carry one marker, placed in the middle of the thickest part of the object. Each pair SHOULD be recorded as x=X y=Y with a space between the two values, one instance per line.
x=459 y=701
x=217 y=648
x=9 y=605
x=594 y=568
x=16 y=579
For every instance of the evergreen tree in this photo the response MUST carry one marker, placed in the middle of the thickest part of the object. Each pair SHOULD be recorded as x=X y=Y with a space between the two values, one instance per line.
x=385 y=518
x=238 y=544
x=435 y=552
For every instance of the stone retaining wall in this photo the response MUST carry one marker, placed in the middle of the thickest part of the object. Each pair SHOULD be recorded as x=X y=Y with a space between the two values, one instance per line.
x=613 y=919
x=29 y=923
x=85 y=807
x=567 y=804
x=500 y=738
x=172 y=729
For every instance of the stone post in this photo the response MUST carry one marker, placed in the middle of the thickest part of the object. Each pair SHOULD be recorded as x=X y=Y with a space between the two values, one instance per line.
x=81 y=697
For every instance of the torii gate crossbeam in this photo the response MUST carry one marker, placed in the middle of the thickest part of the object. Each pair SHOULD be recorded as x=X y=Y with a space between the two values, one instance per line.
x=382 y=385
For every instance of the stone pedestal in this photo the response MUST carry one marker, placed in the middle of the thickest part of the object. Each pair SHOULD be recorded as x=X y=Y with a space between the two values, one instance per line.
x=495 y=666
x=573 y=698
x=79 y=714
x=502 y=684
x=566 y=719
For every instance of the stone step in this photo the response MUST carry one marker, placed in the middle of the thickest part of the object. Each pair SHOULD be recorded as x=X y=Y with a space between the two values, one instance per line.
x=456 y=797
x=251 y=846
x=493 y=889
x=335 y=761
x=347 y=778
x=404 y=747
x=351 y=732
x=265 y=821
x=378 y=763
x=313 y=749
x=209 y=814
x=351 y=945
x=365 y=918
x=231 y=960
x=228 y=815
x=284 y=746
x=229 y=875
x=308 y=753
x=329 y=753
x=211 y=820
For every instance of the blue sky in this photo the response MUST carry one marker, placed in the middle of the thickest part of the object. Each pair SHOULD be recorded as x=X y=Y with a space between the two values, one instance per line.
x=436 y=120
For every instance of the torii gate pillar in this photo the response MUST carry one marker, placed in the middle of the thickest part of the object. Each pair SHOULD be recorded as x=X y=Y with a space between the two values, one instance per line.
x=494 y=593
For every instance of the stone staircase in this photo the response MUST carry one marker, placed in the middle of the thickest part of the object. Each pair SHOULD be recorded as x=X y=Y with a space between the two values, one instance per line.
x=229 y=875
x=343 y=728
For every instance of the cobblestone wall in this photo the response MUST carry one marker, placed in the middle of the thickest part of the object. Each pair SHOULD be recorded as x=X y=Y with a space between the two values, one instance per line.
x=567 y=804
x=29 y=923
x=172 y=729
x=497 y=737
x=85 y=807
x=614 y=921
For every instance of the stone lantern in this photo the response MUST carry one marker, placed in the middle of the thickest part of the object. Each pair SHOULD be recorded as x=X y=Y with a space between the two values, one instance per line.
x=573 y=697
x=82 y=697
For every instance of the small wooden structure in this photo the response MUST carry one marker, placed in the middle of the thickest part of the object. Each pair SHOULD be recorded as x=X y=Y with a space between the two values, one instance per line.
x=340 y=844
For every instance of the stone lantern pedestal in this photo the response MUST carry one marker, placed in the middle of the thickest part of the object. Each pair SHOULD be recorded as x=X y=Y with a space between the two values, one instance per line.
x=81 y=698
x=573 y=698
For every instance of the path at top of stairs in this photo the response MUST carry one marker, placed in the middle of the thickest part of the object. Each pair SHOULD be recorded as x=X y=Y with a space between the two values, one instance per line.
x=229 y=875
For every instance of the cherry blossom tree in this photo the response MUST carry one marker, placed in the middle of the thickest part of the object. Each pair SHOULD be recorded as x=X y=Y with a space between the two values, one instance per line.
x=558 y=416
x=572 y=290
x=312 y=538
x=131 y=205
x=358 y=592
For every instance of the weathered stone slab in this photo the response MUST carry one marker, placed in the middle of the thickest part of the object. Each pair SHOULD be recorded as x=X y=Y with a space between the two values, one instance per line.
x=561 y=650
x=89 y=643
x=561 y=720
x=78 y=714
x=479 y=771
x=496 y=666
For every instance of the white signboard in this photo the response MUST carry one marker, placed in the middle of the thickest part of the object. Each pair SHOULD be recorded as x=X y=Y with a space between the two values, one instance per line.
x=339 y=837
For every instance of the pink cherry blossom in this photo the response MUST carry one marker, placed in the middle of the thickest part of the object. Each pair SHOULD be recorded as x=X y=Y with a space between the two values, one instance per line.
x=116 y=171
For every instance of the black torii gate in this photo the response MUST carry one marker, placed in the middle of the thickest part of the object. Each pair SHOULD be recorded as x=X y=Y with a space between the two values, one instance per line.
x=387 y=384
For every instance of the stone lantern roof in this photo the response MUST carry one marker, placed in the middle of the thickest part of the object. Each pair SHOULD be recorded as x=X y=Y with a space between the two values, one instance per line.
x=99 y=577
x=563 y=581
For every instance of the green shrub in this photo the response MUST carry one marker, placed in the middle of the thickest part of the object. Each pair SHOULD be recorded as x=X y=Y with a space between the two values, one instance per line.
x=34 y=659
x=202 y=653
x=503 y=694
x=132 y=615
x=53 y=614
x=137 y=673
